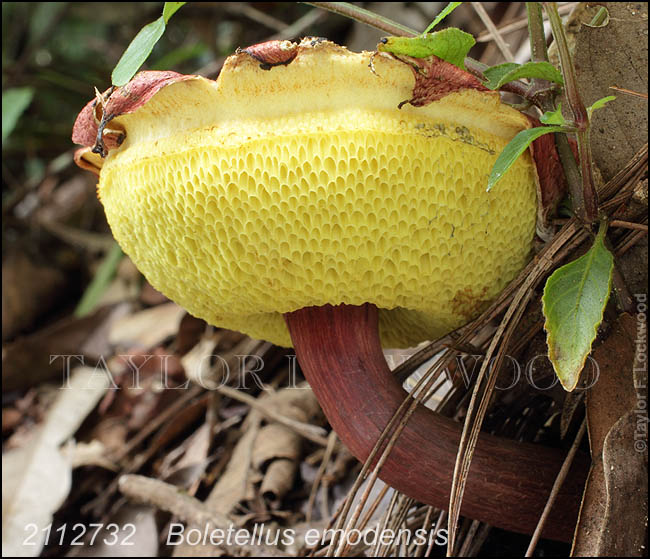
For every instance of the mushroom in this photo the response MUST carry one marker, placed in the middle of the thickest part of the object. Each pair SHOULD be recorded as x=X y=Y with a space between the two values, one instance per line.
x=300 y=200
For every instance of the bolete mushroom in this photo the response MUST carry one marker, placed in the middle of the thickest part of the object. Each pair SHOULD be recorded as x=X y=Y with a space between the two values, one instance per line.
x=298 y=199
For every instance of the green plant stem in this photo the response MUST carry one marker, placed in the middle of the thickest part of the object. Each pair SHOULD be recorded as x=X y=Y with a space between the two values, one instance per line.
x=600 y=17
x=541 y=89
x=571 y=172
x=589 y=212
x=366 y=16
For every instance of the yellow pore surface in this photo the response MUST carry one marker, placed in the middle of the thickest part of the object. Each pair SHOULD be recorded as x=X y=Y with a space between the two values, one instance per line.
x=269 y=191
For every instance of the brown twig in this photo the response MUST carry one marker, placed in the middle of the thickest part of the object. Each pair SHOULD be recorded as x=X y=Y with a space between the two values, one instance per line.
x=556 y=489
x=329 y=450
x=474 y=419
x=494 y=32
x=312 y=433
x=629 y=225
x=168 y=498
x=299 y=26
x=520 y=24
x=373 y=507
x=365 y=16
x=629 y=92
x=629 y=241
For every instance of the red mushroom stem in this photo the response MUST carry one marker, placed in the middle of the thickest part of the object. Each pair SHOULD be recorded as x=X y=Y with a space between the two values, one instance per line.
x=509 y=483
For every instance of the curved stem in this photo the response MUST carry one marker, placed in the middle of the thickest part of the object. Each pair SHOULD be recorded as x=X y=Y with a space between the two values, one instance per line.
x=339 y=352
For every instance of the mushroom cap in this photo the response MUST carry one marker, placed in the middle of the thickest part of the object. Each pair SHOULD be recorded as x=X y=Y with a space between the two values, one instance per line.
x=303 y=184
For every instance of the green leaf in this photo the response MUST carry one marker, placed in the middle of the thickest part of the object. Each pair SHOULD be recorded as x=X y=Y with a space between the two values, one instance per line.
x=451 y=45
x=442 y=15
x=100 y=283
x=142 y=45
x=514 y=149
x=137 y=52
x=501 y=74
x=170 y=9
x=573 y=304
x=14 y=103
x=495 y=73
x=600 y=104
x=554 y=117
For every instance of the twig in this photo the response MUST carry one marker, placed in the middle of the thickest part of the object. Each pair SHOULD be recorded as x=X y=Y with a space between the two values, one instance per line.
x=310 y=432
x=616 y=223
x=87 y=240
x=426 y=526
x=192 y=511
x=371 y=510
x=365 y=16
x=469 y=538
x=473 y=421
x=561 y=476
x=397 y=520
x=629 y=242
x=245 y=9
x=628 y=225
x=420 y=357
x=151 y=426
x=381 y=529
x=629 y=92
x=489 y=25
x=632 y=172
x=298 y=27
x=98 y=502
x=288 y=32
x=479 y=540
x=329 y=449
x=520 y=24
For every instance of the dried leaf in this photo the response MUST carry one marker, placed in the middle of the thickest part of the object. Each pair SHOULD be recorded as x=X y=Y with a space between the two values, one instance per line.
x=278 y=480
x=626 y=478
x=276 y=441
x=147 y=328
x=608 y=401
x=36 y=478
